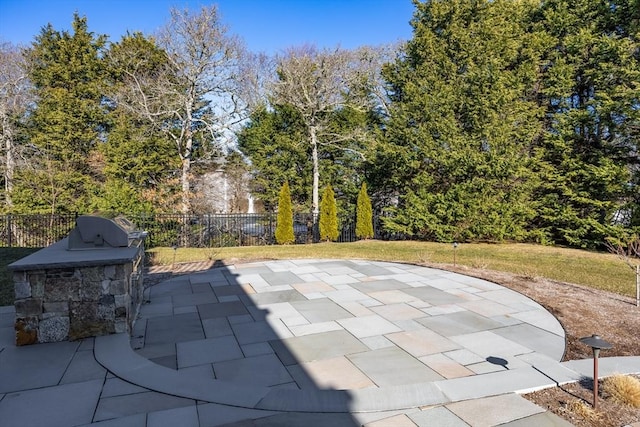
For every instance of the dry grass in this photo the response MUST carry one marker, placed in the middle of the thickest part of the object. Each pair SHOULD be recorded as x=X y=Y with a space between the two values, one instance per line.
x=583 y=410
x=623 y=389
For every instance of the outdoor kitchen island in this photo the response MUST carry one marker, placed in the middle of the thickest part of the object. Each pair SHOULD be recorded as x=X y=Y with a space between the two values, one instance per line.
x=87 y=284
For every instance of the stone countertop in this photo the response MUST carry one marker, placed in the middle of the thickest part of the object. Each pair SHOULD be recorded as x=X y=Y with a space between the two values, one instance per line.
x=58 y=256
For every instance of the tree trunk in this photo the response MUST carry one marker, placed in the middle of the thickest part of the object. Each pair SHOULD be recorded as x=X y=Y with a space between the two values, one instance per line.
x=10 y=165
x=186 y=163
x=315 y=205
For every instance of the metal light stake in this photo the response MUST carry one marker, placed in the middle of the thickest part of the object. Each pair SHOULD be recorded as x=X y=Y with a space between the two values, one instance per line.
x=455 y=246
x=596 y=343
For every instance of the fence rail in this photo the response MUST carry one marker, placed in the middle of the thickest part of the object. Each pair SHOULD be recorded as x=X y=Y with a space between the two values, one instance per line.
x=197 y=231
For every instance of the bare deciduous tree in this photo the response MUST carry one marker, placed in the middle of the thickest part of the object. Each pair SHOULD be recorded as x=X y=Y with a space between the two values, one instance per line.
x=195 y=89
x=629 y=252
x=317 y=84
x=15 y=97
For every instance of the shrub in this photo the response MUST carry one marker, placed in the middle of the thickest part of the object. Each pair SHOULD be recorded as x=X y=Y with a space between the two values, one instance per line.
x=364 y=214
x=328 y=216
x=624 y=389
x=284 y=225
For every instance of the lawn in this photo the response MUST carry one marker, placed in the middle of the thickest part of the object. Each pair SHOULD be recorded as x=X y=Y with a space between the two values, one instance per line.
x=7 y=256
x=597 y=270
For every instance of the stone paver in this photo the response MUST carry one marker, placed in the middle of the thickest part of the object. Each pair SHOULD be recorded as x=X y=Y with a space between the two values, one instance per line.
x=304 y=342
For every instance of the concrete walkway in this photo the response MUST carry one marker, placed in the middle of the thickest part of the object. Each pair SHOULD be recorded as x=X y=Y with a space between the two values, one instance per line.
x=303 y=342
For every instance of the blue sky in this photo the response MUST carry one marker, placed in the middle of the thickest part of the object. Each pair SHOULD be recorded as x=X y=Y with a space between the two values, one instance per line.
x=265 y=25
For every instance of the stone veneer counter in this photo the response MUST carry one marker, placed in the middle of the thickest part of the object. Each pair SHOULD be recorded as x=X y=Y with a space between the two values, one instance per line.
x=66 y=294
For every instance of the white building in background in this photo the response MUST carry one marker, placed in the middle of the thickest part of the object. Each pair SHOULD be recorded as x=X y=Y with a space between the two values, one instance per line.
x=216 y=192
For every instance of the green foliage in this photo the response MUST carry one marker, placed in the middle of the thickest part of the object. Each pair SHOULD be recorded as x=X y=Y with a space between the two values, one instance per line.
x=328 y=216
x=49 y=190
x=120 y=197
x=273 y=142
x=459 y=142
x=67 y=73
x=284 y=226
x=364 y=214
x=590 y=89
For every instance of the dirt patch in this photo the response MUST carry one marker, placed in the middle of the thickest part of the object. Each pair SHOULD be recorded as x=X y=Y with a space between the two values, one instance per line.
x=574 y=401
x=582 y=311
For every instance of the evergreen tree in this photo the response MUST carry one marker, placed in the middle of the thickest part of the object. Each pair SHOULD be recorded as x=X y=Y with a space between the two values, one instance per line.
x=272 y=141
x=67 y=73
x=591 y=95
x=459 y=146
x=284 y=226
x=328 y=216
x=364 y=214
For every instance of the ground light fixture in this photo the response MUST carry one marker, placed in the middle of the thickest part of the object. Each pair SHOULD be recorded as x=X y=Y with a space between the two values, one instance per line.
x=597 y=344
x=455 y=246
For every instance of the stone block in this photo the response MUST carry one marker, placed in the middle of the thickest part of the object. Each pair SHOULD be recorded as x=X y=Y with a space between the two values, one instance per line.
x=110 y=271
x=90 y=290
x=119 y=272
x=62 y=289
x=121 y=300
x=58 y=307
x=121 y=327
x=88 y=319
x=92 y=274
x=20 y=276
x=26 y=330
x=106 y=308
x=54 y=329
x=118 y=287
x=22 y=290
x=37 y=279
x=105 y=286
x=30 y=307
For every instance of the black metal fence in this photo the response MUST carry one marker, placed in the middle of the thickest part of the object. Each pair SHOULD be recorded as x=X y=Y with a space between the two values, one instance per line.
x=196 y=231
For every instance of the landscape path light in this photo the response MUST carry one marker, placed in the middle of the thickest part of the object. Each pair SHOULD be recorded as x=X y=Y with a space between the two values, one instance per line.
x=455 y=246
x=597 y=344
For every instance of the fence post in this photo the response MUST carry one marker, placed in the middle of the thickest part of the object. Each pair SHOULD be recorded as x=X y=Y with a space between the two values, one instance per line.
x=9 y=231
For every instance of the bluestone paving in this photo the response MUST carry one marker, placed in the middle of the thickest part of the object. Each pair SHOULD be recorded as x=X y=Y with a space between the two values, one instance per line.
x=495 y=410
x=323 y=345
x=538 y=340
x=83 y=367
x=397 y=421
x=320 y=310
x=193 y=353
x=372 y=342
x=56 y=406
x=120 y=406
x=186 y=416
x=547 y=419
x=254 y=332
x=393 y=366
x=223 y=309
x=137 y=420
x=264 y=370
x=439 y=416
x=29 y=367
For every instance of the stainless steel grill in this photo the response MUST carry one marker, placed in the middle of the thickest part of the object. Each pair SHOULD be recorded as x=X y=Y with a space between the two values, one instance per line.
x=95 y=232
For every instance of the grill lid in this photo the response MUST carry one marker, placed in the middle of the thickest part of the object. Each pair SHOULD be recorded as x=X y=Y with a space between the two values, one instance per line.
x=92 y=232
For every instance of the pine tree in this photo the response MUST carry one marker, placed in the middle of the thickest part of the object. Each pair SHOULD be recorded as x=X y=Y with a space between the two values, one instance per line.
x=364 y=214
x=67 y=72
x=458 y=153
x=590 y=91
x=284 y=226
x=328 y=216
